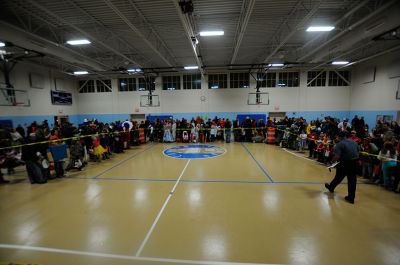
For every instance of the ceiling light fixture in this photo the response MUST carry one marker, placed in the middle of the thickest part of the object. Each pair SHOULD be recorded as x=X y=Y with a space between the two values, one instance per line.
x=320 y=28
x=340 y=62
x=136 y=70
x=212 y=33
x=78 y=42
x=191 y=67
x=276 y=64
x=81 y=72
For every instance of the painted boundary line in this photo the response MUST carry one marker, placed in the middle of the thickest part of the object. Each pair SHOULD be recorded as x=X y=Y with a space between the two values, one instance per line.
x=123 y=161
x=161 y=211
x=306 y=158
x=208 y=181
x=258 y=163
x=123 y=257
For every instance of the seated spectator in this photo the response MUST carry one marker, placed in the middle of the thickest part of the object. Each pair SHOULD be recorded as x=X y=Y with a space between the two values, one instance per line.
x=97 y=149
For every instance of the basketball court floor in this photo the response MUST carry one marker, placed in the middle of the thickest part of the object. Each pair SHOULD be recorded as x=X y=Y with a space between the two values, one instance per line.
x=251 y=203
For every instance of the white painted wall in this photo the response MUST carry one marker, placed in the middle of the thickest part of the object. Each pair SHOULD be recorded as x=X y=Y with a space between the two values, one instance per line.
x=380 y=94
x=301 y=98
x=40 y=99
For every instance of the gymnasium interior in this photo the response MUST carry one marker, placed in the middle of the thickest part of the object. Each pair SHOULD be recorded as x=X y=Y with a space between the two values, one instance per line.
x=199 y=132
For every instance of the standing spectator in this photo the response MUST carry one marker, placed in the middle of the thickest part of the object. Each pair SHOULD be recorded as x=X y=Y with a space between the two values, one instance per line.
x=31 y=155
x=228 y=131
x=388 y=156
x=21 y=130
x=344 y=125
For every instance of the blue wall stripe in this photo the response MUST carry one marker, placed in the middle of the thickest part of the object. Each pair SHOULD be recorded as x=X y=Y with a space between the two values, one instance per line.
x=369 y=116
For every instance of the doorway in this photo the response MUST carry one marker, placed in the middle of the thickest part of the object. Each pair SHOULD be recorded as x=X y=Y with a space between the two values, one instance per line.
x=277 y=115
x=58 y=120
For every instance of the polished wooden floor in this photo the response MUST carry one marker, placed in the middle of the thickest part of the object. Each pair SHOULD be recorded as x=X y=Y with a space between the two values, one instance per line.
x=255 y=204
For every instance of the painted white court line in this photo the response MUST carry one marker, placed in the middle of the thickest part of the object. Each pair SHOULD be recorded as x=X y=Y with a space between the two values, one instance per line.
x=306 y=158
x=161 y=212
x=124 y=257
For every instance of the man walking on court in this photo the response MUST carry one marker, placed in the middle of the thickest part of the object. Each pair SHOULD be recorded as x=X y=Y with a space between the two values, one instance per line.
x=347 y=153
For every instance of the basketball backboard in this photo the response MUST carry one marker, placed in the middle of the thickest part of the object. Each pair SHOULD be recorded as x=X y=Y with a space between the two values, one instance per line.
x=14 y=97
x=149 y=101
x=258 y=98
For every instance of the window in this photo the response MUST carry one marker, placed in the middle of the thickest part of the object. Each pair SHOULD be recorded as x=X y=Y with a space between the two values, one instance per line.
x=240 y=80
x=151 y=83
x=86 y=86
x=171 y=82
x=316 y=78
x=288 y=79
x=216 y=81
x=192 y=81
x=103 y=85
x=126 y=84
x=339 y=78
x=267 y=79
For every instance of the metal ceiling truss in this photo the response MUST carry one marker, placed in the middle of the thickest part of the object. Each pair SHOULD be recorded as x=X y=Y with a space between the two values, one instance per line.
x=149 y=35
x=58 y=39
x=348 y=29
x=90 y=36
x=343 y=19
x=247 y=9
x=291 y=24
x=113 y=37
x=189 y=28
x=61 y=66
x=28 y=26
x=40 y=44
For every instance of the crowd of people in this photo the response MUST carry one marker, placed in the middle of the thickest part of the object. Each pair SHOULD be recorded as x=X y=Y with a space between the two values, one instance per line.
x=95 y=141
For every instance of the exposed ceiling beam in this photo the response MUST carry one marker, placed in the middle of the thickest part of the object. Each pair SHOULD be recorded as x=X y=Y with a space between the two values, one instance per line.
x=151 y=39
x=294 y=30
x=344 y=17
x=85 y=33
x=244 y=18
x=393 y=49
x=348 y=29
x=189 y=34
x=113 y=35
x=34 y=42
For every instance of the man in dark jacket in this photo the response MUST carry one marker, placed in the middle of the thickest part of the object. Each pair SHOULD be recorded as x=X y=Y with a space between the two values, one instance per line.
x=347 y=153
x=31 y=156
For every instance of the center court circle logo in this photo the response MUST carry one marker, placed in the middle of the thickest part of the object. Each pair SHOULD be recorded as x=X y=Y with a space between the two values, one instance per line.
x=193 y=151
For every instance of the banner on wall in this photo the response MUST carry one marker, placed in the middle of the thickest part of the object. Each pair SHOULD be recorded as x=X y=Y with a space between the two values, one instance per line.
x=384 y=118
